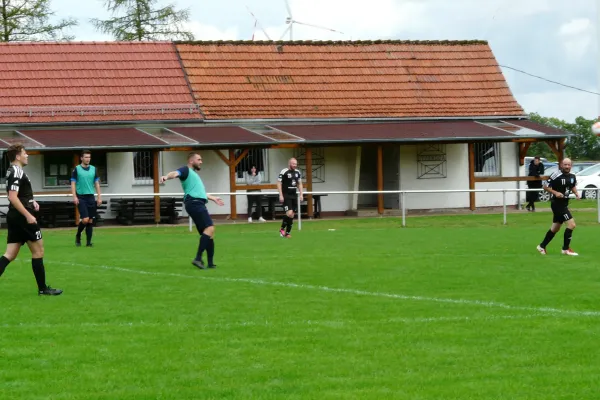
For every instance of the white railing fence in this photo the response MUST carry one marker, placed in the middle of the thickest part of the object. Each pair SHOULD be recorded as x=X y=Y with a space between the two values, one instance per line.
x=402 y=193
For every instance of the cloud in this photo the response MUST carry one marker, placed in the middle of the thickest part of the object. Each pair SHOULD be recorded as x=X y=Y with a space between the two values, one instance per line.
x=211 y=32
x=575 y=27
x=563 y=104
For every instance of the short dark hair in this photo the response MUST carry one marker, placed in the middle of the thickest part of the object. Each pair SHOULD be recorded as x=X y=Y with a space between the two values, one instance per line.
x=84 y=152
x=536 y=158
x=192 y=154
x=14 y=150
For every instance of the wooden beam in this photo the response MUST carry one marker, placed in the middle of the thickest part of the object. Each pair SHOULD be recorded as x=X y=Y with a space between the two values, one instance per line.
x=523 y=147
x=256 y=187
x=240 y=157
x=156 y=177
x=309 y=180
x=232 y=186
x=76 y=162
x=554 y=146
x=380 y=179
x=509 y=178
x=285 y=146
x=225 y=160
x=561 y=149
x=472 y=204
x=176 y=149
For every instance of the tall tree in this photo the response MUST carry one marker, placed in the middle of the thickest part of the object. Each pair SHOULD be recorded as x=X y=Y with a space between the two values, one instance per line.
x=144 y=20
x=583 y=145
x=29 y=20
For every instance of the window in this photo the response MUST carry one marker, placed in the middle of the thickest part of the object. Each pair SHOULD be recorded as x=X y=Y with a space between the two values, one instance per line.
x=318 y=163
x=255 y=157
x=59 y=166
x=4 y=164
x=487 y=159
x=143 y=167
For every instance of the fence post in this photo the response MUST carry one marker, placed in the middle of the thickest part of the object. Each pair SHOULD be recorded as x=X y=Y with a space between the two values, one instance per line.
x=504 y=204
x=299 y=214
x=598 y=199
x=402 y=198
x=190 y=218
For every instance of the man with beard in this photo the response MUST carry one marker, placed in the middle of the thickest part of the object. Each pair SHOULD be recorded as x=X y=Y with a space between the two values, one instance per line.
x=560 y=185
x=195 y=199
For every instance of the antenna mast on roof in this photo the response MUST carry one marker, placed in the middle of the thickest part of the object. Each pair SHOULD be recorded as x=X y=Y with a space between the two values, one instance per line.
x=291 y=21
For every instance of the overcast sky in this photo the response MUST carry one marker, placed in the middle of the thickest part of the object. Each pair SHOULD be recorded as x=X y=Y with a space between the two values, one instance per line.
x=555 y=39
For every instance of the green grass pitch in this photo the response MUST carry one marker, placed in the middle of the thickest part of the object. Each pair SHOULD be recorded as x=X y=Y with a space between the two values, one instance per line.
x=457 y=307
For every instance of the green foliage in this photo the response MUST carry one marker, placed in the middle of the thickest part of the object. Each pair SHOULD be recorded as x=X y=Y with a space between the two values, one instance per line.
x=29 y=20
x=143 y=20
x=583 y=145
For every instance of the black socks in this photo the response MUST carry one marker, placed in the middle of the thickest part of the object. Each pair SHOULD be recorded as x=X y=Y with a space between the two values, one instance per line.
x=567 y=240
x=3 y=264
x=89 y=228
x=548 y=239
x=37 y=264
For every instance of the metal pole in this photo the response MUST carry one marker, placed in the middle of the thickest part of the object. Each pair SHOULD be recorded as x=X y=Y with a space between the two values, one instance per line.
x=299 y=214
x=402 y=198
x=190 y=218
x=504 y=204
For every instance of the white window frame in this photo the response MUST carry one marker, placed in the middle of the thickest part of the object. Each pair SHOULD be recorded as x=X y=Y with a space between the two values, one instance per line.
x=497 y=164
x=145 y=181
x=264 y=175
x=43 y=175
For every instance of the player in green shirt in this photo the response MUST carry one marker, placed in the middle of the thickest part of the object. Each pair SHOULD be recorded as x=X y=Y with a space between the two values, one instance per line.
x=84 y=180
x=195 y=199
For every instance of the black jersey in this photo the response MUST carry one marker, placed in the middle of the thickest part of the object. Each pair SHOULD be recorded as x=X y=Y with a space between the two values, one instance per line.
x=290 y=179
x=18 y=181
x=562 y=183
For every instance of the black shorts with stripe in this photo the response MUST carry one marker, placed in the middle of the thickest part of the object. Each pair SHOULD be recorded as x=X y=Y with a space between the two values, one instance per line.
x=560 y=212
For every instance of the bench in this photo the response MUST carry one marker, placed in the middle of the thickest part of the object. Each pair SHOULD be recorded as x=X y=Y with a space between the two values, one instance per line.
x=54 y=214
x=130 y=210
x=273 y=209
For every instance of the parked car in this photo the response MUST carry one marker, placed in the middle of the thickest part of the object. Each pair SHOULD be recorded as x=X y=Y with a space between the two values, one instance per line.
x=588 y=181
x=577 y=167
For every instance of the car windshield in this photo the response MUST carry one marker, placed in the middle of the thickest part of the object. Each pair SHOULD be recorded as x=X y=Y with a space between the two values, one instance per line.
x=551 y=170
x=593 y=170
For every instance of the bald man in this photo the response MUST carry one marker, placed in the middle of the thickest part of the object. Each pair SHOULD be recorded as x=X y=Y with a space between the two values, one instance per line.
x=289 y=180
x=560 y=185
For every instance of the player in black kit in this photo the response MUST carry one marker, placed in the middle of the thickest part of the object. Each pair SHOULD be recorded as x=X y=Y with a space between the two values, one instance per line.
x=21 y=222
x=289 y=180
x=560 y=185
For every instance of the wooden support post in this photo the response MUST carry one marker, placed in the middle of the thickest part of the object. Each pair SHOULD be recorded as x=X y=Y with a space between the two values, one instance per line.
x=380 y=179
x=76 y=162
x=523 y=147
x=561 y=149
x=232 y=186
x=309 y=180
x=156 y=177
x=472 y=204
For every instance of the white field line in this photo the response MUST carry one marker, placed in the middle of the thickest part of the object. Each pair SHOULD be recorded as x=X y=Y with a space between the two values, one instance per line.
x=482 y=303
x=322 y=323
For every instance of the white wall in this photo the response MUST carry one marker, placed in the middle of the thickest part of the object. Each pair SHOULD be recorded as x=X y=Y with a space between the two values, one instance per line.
x=457 y=178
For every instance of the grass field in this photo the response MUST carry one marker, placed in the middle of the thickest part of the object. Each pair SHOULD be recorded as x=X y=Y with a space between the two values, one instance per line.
x=455 y=307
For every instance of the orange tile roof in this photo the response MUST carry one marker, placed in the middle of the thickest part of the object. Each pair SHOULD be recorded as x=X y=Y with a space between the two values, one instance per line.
x=346 y=79
x=104 y=81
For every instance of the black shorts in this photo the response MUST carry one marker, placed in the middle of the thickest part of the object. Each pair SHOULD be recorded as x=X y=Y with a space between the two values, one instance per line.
x=19 y=231
x=197 y=210
x=87 y=206
x=290 y=202
x=560 y=213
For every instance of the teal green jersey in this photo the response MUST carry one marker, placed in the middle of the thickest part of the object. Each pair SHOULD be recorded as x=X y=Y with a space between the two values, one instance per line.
x=84 y=179
x=193 y=187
